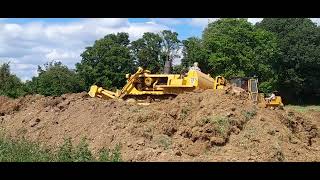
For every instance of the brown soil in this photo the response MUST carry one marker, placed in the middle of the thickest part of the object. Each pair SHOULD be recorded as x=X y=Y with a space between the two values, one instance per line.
x=201 y=126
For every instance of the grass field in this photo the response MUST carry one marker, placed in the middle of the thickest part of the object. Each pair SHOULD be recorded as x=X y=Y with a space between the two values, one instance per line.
x=303 y=108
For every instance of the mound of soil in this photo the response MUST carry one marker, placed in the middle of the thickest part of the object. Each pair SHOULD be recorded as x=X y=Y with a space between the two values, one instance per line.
x=200 y=126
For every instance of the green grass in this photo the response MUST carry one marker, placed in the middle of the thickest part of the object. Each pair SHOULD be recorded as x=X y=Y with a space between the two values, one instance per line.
x=184 y=112
x=26 y=151
x=221 y=123
x=249 y=114
x=164 y=141
x=303 y=108
x=22 y=151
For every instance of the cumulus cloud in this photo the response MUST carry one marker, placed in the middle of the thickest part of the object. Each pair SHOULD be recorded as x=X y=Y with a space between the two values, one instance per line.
x=201 y=22
x=31 y=44
x=170 y=21
x=316 y=20
x=255 y=20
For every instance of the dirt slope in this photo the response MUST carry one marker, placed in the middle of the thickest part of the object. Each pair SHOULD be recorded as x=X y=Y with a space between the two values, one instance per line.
x=200 y=126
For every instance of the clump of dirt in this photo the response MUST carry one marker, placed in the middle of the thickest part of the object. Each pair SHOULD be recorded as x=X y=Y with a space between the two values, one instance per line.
x=220 y=125
x=301 y=127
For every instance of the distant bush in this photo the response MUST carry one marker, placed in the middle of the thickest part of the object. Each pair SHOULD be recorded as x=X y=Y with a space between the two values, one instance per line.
x=55 y=79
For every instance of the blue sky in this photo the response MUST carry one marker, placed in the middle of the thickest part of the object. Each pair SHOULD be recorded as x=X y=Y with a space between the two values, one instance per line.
x=185 y=30
x=29 y=42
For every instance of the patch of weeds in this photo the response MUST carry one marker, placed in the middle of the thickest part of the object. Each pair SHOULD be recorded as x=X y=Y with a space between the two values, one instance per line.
x=65 y=152
x=165 y=141
x=206 y=120
x=107 y=155
x=303 y=109
x=220 y=123
x=82 y=152
x=22 y=151
x=135 y=110
x=22 y=131
x=25 y=151
x=184 y=112
x=250 y=114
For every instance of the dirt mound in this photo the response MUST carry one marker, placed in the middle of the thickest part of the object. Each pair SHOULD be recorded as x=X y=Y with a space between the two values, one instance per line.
x=200 y=126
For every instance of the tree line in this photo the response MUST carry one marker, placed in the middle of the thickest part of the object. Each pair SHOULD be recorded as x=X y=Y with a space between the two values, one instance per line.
x=282 y=52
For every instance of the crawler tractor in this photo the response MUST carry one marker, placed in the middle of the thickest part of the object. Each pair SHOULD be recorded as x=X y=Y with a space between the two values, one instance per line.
x=145 y=87
x=250 y=85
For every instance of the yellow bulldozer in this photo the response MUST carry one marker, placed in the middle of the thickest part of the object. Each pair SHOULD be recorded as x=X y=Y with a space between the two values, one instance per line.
x=250 y=85
x=144 y=87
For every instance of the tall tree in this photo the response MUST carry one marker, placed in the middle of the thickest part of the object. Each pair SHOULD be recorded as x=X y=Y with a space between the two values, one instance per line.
x=235 y=47
x=193 y=51
x=170 y=47
x=107 y=61
x=10 y=84
x=298 y=67
x=55 y=79
x=147 y=52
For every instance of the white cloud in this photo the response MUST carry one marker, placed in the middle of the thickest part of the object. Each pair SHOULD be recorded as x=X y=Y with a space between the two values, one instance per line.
x=202 y=22
x=316 y=20
x=31 y=44
x=170 y=21
x=254 y=20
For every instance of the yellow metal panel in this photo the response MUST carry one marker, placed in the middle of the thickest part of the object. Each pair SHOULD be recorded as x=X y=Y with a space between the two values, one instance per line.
x=202 y=81
x=175 y=82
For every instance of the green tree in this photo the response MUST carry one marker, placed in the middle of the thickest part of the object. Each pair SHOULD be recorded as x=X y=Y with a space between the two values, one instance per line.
x=235 y=47
x=298 y=67
x=170 y=47
x=55 y=79
x=193 y=51
x=107 y=61
x=147 y=51
x=179 y=69
x=10 y=84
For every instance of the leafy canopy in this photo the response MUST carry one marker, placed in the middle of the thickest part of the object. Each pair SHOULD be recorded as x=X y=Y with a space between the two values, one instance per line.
x=10 y=84
x=55 y=79
x=107 y=61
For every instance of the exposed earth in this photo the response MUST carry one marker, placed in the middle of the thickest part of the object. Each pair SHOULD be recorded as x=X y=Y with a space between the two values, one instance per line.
x=200 y=126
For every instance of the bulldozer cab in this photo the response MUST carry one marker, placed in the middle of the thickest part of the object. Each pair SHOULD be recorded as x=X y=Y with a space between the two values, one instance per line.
x=219 y=82
x=250 y=85
x=239 y=82
x=253 y=89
